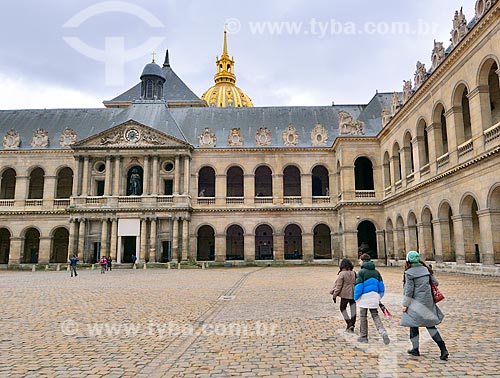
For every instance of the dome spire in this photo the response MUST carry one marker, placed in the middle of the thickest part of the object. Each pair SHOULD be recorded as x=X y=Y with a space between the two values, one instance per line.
x=224 y=49
x=166 y=63
x=225 y=64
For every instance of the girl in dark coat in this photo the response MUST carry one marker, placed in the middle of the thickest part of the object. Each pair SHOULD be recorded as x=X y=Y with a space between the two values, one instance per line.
x=419 y=309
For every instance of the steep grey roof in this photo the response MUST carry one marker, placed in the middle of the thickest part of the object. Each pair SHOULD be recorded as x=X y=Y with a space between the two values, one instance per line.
x=193 y=121
x=85 y=122
x=372 y=113
x=174 y=90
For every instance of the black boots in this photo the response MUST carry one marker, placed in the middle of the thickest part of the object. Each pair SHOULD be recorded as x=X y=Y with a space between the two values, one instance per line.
x=414 y=352
x=444 y=351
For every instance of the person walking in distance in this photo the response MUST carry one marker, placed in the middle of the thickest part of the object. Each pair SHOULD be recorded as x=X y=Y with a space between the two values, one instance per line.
x=72 y=265
x=103 y=263
x=344 y=287
x=368 y=291
x=419 y=309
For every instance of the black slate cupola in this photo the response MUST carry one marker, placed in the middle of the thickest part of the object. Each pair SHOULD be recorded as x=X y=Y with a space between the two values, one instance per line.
x=152 y=80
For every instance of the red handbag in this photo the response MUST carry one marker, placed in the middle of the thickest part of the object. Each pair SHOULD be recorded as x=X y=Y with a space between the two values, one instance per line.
x=436 y=293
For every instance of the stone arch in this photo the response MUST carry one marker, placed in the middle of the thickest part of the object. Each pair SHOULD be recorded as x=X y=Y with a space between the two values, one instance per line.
x=5 y=236
x=367 y=238
x=264 y=242
x=396 y=158
x=320 y=181
x=339 y=179
x=291 y=181
x=470 y=228
x=235 y=242
x=488 y=77
x=387 y=170
x=293 y=242
x=400 y=238
x=494 y=208
x=447 y=231
x=205 y=246
x=263 y=181
x=422 y=142
x=64 y=185
x=389 y=235
x=322 y=241
x=461 y=112
x=412 y=243
x=440 y=129
x=31 y=245
x=408 y=153
x=206 y=182
x=426 y=245
x=234 y=182
x=363 y=174
x=36 y=183
x=60 y=243
x=8 y=184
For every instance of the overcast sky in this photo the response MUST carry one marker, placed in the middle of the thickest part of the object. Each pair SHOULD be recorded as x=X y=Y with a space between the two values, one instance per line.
x=77 y=53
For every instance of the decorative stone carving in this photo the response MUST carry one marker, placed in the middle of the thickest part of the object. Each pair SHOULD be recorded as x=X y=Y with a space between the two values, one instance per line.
x=207 y=138
x=437 y=55
x=407 y=90
x=68 y=137
x=11 y=139
x=395 y=103
x=151 y=138
x=40 y=139
x=420 y=75
x=235 y=138
x=263 y=137
x=133 y=136
x=482 y=7
x=319 y=135
x=290 y=136
x=386 y=116
x=347 y=126
x=459 y=28
x=113 y=138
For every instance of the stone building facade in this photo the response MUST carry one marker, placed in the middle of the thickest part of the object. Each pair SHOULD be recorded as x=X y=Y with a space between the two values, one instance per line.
x=167 y=176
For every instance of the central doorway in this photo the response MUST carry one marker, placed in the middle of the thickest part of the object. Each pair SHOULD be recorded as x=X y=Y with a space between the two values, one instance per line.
x=129 y=248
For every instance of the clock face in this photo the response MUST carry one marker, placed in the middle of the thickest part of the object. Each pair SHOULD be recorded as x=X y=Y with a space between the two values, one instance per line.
x=132 y=135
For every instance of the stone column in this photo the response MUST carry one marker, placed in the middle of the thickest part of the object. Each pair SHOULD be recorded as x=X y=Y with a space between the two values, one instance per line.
x=480 y=115
x=49 y=191
x=187 y=174
x=107 y=179
x=21 y=190
x=177 y=176
x=249 y=190
x=279 y=246
x=395 y=169
x=417 y=150
x=73 y=229
x=185 y=239
x=44 y=250
x=81 y=237
x=452 y=137
x=15 y=250
x=220 y=247
x=117 y=176
x=277 y=188
x=411 y=243
x=76 y=177
x=350 y=246
x=146 y=177
x=220 y=189
x=175 y=240
x=390 y=244
x=308 y=247
x=104 y=238
x=85 y=176
x=425 y=241
x=143 y=239
x=249 y=247
x=405 y=170
x=348 y=182
x=434 y=138
x=458 y=227
x=152 y=241
x=438 y=242
x=154 y=185
x=306 y=188
x=486 y=232
x=114 y=239
x=381 y=245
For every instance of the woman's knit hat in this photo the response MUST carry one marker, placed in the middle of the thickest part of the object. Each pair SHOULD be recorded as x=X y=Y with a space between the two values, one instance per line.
x=413 y=257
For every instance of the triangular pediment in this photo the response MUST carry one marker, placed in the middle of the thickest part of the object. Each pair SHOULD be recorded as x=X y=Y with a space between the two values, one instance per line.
x=130 y=134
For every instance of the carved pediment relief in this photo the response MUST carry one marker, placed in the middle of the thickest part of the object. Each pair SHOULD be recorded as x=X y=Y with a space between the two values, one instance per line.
x=130 y=134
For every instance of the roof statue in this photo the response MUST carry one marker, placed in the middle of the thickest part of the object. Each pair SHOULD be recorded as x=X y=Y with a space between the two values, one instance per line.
x=459 y=28
x=420 y=75
x=225 y=94
x=395 y=103
x=407 y=90
x=437 y=55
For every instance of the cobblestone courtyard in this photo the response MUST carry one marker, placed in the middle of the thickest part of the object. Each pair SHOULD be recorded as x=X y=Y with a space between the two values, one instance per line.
x=228 y=322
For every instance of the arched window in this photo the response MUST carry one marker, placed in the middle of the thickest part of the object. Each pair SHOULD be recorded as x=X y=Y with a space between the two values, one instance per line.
x=206 y=182
x=320 y=186
x=263 y=182
x=322 y=242
x=423 y=143
x=60 y=242
x=235 y=243
x=488 y=77
x=363 y=174
x=149 y=89
x=64 y=183
x=291 y=181
x=387 y=170
x=37 y=181
x=264 y=242
x=8 y=184
x=463 y=128
x=440 y=131
x=396 y=158
x=408 y=154
x=293 y=242
x=367 y=239
x=234 y=182
x=206 y=244
x=4 y=245
x=471 y=231
x=135 y=178
x=31 y=246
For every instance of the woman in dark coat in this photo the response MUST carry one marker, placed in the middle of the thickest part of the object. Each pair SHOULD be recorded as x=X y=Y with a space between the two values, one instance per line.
x=419 y=309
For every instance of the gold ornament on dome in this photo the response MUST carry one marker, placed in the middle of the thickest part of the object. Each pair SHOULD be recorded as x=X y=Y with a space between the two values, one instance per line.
x=40 y=139
x=67 y=138
x=319 y=135
x=11 y=139
x=290 y=136
x=235 y=138
x=207 y=138
x=263 y=137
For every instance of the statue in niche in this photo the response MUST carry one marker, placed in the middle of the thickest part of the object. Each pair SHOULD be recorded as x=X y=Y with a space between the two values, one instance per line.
x=134 y=184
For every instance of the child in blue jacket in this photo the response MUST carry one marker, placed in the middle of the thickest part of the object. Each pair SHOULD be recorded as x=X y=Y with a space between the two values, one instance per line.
x=368 y=291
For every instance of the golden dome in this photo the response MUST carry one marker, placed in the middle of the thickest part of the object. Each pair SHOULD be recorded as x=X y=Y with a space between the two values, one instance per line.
x=225 y=93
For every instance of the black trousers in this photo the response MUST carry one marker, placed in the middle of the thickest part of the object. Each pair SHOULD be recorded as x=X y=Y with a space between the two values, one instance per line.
x=414 y=335
x=343 y=309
